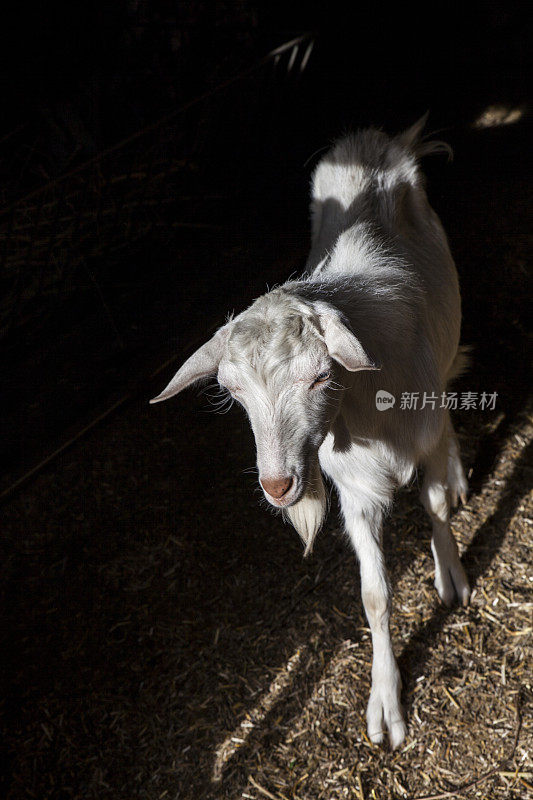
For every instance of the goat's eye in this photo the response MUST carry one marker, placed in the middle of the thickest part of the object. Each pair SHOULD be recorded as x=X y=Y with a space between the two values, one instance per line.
x=322 y=378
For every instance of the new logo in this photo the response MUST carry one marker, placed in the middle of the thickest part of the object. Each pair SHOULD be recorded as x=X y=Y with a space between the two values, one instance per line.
x=384 y=400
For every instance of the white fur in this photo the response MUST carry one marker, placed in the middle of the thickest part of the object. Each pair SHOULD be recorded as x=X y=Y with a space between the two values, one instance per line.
x=377 y=309
x=307 y=514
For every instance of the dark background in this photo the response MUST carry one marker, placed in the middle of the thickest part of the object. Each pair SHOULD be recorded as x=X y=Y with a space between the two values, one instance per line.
x=108 y=69
x=90 y=313
x=86 y=310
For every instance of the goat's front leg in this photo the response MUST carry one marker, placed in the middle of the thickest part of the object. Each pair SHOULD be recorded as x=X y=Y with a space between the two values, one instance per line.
x=384 y=709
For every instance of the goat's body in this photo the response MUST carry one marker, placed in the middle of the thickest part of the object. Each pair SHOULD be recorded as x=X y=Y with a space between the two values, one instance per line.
x=369 y=202
x=377 y=309
x=380 y=255
x=379 y=249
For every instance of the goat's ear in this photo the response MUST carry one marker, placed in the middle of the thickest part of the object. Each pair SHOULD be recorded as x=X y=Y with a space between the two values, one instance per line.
x=201 y=364
x=342 y=345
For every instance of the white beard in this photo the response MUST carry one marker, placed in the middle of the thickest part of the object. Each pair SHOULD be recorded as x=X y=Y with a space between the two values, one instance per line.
x=307 y=515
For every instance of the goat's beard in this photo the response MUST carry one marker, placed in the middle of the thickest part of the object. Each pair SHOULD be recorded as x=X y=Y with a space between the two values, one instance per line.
x=307 y=515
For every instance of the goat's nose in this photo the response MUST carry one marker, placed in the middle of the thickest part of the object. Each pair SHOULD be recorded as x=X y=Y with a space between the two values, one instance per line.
x=276 y=488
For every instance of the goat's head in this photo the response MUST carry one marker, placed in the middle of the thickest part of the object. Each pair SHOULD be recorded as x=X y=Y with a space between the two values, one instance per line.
x=282 y=359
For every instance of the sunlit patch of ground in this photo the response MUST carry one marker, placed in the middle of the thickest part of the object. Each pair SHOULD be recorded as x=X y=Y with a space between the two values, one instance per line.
x=468 y=677
x=496 y=115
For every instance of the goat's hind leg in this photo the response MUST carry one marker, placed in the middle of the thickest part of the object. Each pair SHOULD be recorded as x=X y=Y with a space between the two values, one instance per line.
x=457 y=483
x=450 y=577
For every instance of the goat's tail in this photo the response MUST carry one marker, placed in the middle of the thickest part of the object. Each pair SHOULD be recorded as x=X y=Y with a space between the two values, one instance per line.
x=411 y=139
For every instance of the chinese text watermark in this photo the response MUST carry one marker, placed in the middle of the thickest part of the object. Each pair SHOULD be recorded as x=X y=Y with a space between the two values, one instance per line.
x=452 y=401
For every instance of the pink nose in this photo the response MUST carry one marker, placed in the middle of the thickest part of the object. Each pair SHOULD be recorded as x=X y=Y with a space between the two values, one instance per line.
x=276 y=488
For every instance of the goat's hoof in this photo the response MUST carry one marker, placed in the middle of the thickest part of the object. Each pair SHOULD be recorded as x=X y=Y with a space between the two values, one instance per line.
x=458 y=487
x=397 y=733
x=376 y=737
x=453 y=584
x=456 y=495
x=464 y=595
x=380 y=718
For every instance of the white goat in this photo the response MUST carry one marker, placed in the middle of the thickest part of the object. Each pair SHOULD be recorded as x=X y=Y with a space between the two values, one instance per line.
x=377 y=309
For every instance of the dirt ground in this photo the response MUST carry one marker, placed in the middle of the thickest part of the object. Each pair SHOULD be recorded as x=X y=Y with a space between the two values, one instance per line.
x=163 y=637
